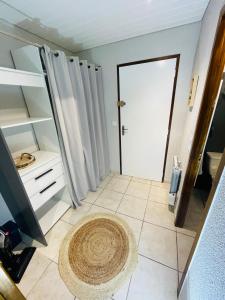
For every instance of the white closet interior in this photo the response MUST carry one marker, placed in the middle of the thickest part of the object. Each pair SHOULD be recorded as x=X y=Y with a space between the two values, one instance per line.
x=31 y=128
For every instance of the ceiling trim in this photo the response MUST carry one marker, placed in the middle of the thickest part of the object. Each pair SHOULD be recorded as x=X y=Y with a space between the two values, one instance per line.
x=138 y=36
x=31 y=33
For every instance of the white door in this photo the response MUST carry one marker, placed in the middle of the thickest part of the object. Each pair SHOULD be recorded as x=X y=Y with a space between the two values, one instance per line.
x=147 y=90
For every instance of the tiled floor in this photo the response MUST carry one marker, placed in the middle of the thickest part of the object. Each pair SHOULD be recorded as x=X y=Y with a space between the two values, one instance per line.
x=163 y=249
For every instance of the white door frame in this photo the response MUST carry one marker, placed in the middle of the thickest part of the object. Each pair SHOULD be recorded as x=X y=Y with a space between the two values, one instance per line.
x=177 y=57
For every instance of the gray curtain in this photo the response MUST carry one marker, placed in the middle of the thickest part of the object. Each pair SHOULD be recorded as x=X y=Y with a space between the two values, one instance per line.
x=66 y=115
x=78 y=90
x=91 y=117
x=97 y=120
x=78 y=104
x=103 y=119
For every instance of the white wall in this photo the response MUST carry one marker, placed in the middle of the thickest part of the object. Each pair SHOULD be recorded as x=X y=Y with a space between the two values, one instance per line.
x=201 y=64
x=12 y=103
x=206 y=275
x=181 y=40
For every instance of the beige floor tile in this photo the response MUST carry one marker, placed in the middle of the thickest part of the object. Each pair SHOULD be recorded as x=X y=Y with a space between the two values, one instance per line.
x=184 y=244
x=186 y=231
x=73 y=215
x=121 y=294
x=126 y=177
x=159 y=244
x=159 y=214
x=163 y=185
x=141 y=180
x=92 y=196
x=118 y=185
x=105 y=182
x=50 y=286
x=152 y=281
x=35 y=269
x=134 y=224
x=54 y=239
x=97 y=209
x=158 y=194
x=111 y=194
x=133 y=207
x=113 y=173
x=108 y=203
x=137 y=189
x=109 y=199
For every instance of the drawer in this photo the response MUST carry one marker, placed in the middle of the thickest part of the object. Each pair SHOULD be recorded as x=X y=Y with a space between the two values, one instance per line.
x=47 y=192
x=40 y=170
x=43 y=178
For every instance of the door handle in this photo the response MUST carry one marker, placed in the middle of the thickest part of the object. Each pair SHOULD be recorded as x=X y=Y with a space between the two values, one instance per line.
x=121 y=103
x=124 y=130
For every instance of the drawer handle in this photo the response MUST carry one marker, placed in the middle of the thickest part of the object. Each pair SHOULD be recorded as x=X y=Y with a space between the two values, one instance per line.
x=43 y=174
x=45 y=189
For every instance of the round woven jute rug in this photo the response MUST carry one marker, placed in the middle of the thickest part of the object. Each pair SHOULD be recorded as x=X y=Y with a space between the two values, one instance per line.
x=97 y=256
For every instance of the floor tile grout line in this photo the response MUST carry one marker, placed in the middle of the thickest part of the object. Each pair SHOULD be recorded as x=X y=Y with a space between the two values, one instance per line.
x=123 y=196
x=111 y=210
x=185 y=234
x=128 y=216
x=142 y=220
x=144 y=217
x=51 y=261
x=139 y=198
x=117 y=212
x=158 y=262
x=159 y=226
x=149 y=199
x=104 y=188
x=125 y=193
x=129 y=287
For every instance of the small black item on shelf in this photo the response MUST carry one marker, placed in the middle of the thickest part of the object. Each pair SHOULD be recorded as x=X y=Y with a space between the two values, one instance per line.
x=14 y=264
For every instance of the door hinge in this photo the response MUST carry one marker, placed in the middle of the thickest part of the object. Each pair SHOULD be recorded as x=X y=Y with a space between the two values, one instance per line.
x=121 y=103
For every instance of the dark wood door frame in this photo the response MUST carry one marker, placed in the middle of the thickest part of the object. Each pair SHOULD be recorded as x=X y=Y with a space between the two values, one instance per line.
x=177 y=57
x=215 y=74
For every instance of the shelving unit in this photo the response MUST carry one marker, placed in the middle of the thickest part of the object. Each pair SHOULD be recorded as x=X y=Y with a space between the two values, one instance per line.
x=55 y=210
x=21 y=122
x=17 y=77
x=44 y=180
x=42 y=157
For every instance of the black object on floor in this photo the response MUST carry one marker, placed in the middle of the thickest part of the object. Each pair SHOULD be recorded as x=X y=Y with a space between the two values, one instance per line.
x=14 y=264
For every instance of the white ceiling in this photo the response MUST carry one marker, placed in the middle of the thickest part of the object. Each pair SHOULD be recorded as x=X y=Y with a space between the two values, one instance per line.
x=83 y=24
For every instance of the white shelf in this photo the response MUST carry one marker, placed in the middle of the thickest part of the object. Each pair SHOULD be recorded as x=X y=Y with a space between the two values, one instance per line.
x=20 y=122
x=41 y=158
x=17 y=77
x=54 y=211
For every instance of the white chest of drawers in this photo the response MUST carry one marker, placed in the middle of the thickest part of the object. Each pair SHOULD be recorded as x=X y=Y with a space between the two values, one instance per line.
x=44 y=178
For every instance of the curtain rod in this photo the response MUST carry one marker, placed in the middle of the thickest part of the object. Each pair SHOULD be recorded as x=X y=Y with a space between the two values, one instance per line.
x=56 y=54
